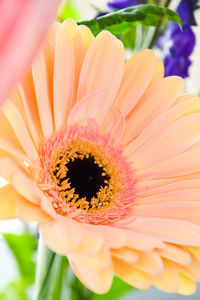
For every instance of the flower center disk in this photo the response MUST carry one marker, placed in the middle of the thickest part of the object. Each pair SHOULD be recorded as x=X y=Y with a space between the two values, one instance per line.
x=87 y=176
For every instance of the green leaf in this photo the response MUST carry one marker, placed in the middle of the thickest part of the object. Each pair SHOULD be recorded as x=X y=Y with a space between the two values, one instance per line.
x=23 y=248
x=118 y=22
x=118 y=289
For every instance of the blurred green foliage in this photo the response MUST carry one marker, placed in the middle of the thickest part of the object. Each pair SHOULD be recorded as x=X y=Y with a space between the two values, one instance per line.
x=23 y=250
x=68 y=9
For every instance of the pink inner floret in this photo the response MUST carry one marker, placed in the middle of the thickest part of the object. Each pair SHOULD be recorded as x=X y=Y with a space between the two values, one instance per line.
x=112 y=202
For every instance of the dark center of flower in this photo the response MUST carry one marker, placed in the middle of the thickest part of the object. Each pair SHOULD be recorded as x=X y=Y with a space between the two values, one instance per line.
x=86 y=176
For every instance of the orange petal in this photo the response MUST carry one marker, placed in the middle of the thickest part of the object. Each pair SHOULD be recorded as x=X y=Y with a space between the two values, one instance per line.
x=187 y=286
x=19 y=127
x=27 y=212
x=69 y=233
x=176 y=112
x=50 y=238
x=149 y=262
x=138 y=72
x=126 y=254
x=169 y=142
x=168 y=281
x=63 y=81
x=157 y=98
x=97 y=281
x=176 y=254
x=158 y=71
x=168 y=230
x=104 y=74
x=8 y=198
x=41 y=84
x=132 y=276
x=97 y=262
x=26 y=187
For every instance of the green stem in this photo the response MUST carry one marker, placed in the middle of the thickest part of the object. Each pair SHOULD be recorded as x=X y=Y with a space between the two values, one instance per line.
x=45 y=261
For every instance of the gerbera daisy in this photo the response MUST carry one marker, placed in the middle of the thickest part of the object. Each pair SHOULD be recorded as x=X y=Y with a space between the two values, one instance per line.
x=104 y=155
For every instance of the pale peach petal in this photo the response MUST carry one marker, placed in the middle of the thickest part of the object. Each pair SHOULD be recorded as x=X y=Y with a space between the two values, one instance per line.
x=193 y=270
x=168 y=281
x=158 y=71
x=63 y=82
x=85 y=109
x=102 y=74
x=12 y=150
x=41 y=85
x=126 y=254
x=138 y=72
x=185 y=97
x=158 y=98
x=22 y=31
x=113 y=237
x=69 y=233
x=97 y=262
x=114 y=124
x=28 y=212
x=134 y=277
x=176 y=254
x=91 y=243
x=79 y=51
x=27 y=93
x=8 y=168
x=195 y=252
x=97 y=281
x=26 y=187
x=170 y=187
x=8 y=199
x=181 y=205
x=20 y=129
x=187 y=286
x=180 y=110
x=140 y=241
x=86 y=36
x=47 y=231
x=175 y=165
x=169 y=142
x=168 y=230
x=150 y=263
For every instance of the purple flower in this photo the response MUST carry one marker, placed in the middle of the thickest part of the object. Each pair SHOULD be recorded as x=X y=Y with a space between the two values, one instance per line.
x=177 y=60
x=186 y=11
x=120 y=4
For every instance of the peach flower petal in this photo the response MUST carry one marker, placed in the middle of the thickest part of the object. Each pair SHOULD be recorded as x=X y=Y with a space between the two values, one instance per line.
x=158 y=98
x=41 y=86
x=135 y=80
x=187 y=286
x=100 y=282
x=128 y=273
x=165 y=145
x=8 y=199
x=167 y=117
x=63 y=77
x=158 y=72
x=26 y=187
x=126 y=254
x=69 y=233
x=176 y=254
x=168 y=230
x=169 y=279
x=19 y=127
x=150 y=263
x=27 y=212
x=47 y=231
